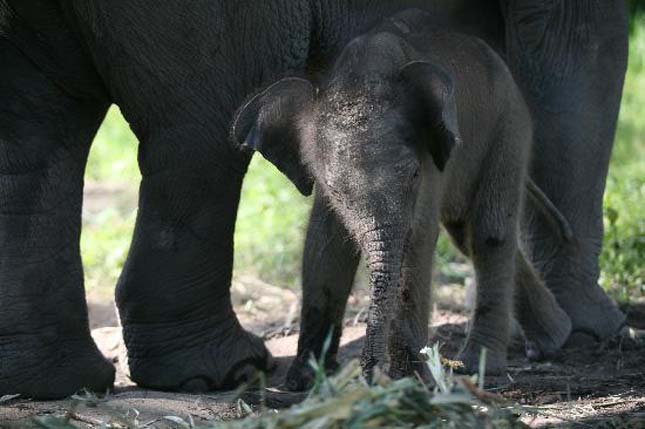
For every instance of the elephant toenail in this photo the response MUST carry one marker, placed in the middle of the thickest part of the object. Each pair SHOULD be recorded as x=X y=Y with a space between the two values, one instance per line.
x=245 y=373
x=196 y=385
x=581 y=338
x=533 y=353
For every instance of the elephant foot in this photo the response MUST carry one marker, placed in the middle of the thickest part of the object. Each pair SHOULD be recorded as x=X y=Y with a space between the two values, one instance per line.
x=594 y=316
x=585 y=334
x=418 y=369
x=406 y=363
x=301 y=375
x=471 y=356
x=625 y=337
x=194 y=357
x=546 y=336
x=53 y=368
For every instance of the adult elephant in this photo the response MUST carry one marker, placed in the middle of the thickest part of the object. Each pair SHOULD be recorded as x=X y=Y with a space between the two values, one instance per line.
x=178 y=70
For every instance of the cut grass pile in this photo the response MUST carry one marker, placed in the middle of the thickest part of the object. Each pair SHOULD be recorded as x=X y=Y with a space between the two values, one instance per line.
x=346 y=401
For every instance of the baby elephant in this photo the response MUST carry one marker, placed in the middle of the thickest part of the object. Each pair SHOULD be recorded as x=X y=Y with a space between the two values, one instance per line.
x=412 y=127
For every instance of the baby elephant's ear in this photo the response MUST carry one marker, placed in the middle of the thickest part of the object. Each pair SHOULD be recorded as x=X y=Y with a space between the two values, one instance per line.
x=433 y=108
x=268 y=123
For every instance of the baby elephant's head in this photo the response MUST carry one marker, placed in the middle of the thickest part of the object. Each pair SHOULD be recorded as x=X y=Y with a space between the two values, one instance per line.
x=365 y=138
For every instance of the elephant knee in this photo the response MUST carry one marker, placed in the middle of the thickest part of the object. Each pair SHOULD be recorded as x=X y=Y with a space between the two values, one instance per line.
x=488 y=242
x=494 y=241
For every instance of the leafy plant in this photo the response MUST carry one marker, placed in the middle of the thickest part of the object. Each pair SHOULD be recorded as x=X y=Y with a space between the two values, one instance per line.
x=346 y=401
x=623 y=255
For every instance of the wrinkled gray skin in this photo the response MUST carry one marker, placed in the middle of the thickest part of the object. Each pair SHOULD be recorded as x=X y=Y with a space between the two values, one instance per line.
x=178 y=72
x=408 y=131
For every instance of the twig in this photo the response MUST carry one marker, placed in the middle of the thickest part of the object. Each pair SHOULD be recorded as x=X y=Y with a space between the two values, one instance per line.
x=482 y=395
x=145 y=425
x=89 y=420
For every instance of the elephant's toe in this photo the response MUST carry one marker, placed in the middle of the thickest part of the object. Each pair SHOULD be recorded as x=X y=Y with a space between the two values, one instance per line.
x=471 y=356
x=55 y=370
x=301 y=375
x=626 y=337
x=216 y=363
x=536 y=353
x=545 y=336
x=582 y=338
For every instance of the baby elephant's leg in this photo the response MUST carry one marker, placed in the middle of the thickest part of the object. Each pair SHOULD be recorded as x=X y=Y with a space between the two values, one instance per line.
x=545 y=324
x=409 y=329
x=493 y=245
x=329 y=265
x=490 y=327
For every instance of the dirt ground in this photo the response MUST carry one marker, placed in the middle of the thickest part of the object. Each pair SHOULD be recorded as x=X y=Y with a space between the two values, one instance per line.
x=602 y=386
x=596 y=387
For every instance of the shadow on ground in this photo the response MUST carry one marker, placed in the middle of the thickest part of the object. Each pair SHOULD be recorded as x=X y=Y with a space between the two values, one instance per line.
x=601 y=386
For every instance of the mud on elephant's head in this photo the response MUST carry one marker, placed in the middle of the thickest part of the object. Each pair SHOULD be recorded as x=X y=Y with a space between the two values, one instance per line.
x=361 y=136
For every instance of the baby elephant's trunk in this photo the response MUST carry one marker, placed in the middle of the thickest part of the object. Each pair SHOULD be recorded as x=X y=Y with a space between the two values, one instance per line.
x=383 y=249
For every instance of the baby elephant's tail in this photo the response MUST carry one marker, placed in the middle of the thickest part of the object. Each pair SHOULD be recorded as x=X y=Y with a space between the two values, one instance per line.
x=549 y=210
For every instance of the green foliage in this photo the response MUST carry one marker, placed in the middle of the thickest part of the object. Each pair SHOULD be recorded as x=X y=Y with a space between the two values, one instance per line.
x=104 y=244
x=105 y=239
x=346 y=401
x=623 y=257
x=636 y=9
x=270 y=225
x=114 y=152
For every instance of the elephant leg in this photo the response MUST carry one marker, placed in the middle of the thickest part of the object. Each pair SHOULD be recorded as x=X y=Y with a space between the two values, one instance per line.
x=46 y=350
x=572 y=76
x=491 y=237
x=329 y=266
x=409 y=328
x=493 y=259
x=571 y=270
x=173 y=296
x=545 y=324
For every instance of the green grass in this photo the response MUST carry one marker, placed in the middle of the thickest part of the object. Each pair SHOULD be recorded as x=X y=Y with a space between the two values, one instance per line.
x=623 y=257
x=272 y=216
x=106 y=235
x=270 y=227
x=104 y=245
x=114 y=152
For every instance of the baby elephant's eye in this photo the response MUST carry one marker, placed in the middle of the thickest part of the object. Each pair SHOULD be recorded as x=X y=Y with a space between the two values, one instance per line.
x=414 y=179
x=416 y=174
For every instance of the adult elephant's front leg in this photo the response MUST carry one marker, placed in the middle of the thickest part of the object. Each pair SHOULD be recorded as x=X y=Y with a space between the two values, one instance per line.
x=46 y=350
x=173 y=296
x=570 y=58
